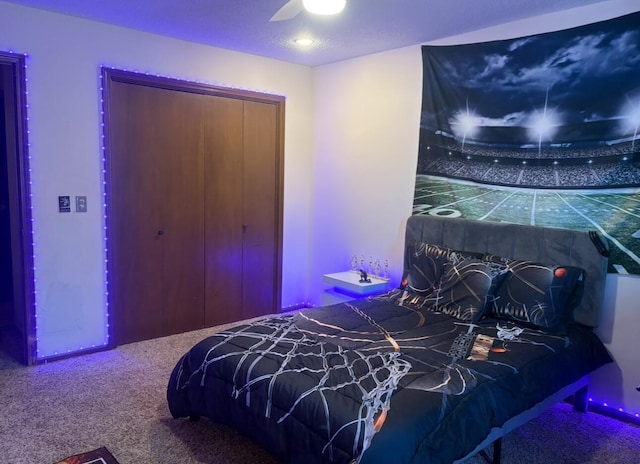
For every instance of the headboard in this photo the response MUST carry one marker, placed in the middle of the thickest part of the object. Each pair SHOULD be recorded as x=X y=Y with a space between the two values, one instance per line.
x=539 y=244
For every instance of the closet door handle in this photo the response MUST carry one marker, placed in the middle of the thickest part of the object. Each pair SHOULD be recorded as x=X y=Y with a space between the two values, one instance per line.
x=160 y=233
x=244 y=227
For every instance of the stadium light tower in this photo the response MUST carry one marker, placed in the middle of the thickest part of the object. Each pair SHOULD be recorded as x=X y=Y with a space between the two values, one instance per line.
x=468 y=124
x=543 y=127
x=544 y=124
x=632 y=116
x=465 y=124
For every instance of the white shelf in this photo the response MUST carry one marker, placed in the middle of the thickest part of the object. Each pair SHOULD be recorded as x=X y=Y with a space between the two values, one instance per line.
x=349 y=281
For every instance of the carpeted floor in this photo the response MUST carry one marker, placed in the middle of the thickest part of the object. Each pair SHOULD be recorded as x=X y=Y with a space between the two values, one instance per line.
x=117 y=399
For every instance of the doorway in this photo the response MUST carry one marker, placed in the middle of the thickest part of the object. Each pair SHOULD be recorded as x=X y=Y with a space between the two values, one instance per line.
x=17 y=337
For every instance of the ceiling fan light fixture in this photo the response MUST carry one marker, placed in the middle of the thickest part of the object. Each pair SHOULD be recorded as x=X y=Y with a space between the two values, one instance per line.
x=304 y=41
x=324 y=7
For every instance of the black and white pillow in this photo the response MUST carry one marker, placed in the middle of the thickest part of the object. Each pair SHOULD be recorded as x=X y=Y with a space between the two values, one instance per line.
x=466 y=287
x=425 y=266
x=537 y=295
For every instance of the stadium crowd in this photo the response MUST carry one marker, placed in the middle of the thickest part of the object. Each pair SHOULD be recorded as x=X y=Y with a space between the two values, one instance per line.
x=601 y=166
x=590 y=176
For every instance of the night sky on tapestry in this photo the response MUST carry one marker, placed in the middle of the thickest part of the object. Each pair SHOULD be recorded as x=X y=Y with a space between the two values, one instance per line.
x=541 y=130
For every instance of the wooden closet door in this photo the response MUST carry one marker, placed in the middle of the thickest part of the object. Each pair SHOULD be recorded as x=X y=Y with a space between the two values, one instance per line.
x=135 y=249
x=156 y=206
x=194 y=205
x=260 y=209
x=182 y=143
x=223 y=203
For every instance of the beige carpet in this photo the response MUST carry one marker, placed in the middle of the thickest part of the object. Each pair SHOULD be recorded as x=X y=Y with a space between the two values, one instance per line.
x=117 y=399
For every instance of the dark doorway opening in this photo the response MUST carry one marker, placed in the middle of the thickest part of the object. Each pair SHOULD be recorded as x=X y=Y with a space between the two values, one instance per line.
x=17 y=337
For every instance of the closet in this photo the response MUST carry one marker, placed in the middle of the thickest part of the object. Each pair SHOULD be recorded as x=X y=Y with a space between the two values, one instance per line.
x=194 y=205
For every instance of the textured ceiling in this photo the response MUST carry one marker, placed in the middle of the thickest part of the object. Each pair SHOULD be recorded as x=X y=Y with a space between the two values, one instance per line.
x=364 y=27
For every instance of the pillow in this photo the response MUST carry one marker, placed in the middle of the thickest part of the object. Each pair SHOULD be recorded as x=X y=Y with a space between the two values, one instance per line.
x=425 y=266
x=538 y=296
x=466 y=287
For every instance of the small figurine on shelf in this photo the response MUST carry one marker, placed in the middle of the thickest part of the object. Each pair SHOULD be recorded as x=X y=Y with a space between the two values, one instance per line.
x=378 y=269
x=364 y=278
x=386 y=269
x=354 y=262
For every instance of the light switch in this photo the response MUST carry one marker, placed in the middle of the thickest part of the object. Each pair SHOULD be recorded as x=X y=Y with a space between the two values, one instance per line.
x=64 y=204
x=81 y=204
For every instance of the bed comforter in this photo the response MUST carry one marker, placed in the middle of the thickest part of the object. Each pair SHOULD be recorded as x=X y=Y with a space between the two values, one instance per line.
x=375 y=381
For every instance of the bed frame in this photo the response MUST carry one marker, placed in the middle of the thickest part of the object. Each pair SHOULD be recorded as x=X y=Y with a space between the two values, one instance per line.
x=544 y=245
x=205 y=382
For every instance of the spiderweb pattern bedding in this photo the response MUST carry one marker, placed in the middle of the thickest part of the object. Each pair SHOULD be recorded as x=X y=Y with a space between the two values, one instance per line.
x=268 y=355
x=374 y=381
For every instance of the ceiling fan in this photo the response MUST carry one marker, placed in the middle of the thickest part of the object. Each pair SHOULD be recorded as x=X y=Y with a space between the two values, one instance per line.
x=293 y=8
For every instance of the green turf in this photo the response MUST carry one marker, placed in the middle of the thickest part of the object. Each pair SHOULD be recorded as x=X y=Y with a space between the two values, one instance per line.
x=614 y=214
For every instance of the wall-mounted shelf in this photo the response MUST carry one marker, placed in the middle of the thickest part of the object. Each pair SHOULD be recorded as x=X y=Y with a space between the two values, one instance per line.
x=345 y=286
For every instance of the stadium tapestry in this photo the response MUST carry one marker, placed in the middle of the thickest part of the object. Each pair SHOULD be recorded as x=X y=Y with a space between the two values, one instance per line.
x=540 y=130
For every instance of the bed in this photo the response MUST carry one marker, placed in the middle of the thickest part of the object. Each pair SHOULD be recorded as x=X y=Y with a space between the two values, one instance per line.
x=491 y=324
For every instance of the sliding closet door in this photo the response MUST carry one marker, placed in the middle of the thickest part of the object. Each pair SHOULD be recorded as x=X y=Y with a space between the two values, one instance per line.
x=156 y=210
x=183 y=212
x=223 y=200
x=259 y=209
x=135 y=248
x=242 y=213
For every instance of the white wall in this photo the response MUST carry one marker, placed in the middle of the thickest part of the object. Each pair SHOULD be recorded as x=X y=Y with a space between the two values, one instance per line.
x=616 y=383
x=64 y=59
x=367 y=112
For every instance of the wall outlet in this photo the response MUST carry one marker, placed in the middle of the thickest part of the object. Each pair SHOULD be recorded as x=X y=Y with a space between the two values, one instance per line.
x=81 y=204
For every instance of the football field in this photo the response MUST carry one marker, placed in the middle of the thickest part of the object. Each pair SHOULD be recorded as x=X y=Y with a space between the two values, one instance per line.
x=614 y=213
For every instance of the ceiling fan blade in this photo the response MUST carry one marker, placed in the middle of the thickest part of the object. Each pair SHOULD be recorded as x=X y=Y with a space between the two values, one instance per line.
x=290 y=9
